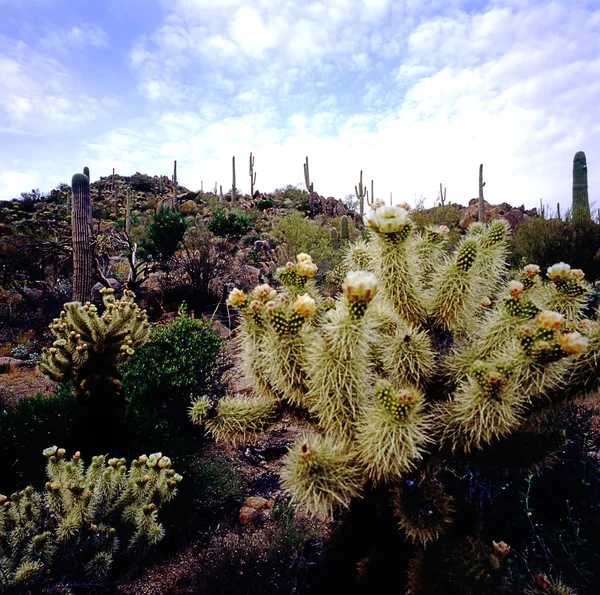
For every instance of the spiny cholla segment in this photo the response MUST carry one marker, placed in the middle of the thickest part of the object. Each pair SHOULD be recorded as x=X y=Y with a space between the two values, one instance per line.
x=82 y=505
x=83 y=337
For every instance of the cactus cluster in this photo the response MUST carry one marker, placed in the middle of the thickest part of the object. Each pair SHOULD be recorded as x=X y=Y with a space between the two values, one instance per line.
x=89 y=347
x=72 y=531
x=413 y=361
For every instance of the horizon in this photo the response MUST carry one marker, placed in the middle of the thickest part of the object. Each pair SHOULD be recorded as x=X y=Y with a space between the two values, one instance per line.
x=411 y=93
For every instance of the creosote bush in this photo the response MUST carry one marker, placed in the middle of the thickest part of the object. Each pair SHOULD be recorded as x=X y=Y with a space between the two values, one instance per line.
x=431 y=355
x=83 y=522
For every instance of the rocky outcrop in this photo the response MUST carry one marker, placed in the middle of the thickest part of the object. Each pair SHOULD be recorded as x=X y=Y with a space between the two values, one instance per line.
x=514 y=215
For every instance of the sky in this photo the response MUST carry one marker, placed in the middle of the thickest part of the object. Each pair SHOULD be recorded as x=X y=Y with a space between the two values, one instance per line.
x=413 y=92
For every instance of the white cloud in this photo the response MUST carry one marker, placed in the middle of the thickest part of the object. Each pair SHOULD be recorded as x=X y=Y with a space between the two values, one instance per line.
x=37 y=94
x=80 y=36
x=12 y=183
x=413 y=93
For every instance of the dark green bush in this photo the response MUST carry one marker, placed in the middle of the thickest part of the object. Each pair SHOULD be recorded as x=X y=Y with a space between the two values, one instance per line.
x=180 y=356
x=265 y=203
x=165 y=232
x=547 y=241
x=30 y=425
x=232 y=224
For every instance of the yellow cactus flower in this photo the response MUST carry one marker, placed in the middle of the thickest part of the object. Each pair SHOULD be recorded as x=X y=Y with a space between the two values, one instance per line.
x=236 y=298
x=304 y=305
x=560 y=270
x=572 y=343
x=550 y=320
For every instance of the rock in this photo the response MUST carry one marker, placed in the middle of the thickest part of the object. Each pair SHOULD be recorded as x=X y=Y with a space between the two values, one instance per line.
x=516 y=218
x=252 y=507
x=113 y=283
x=7 y=362
x=248 y=515
x=262 y=246
x=256 y=502
x=34 y=294
x=252 y=275
x=471 y=213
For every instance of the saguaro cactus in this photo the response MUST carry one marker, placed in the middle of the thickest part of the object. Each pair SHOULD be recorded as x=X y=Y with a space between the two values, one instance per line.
x=481 y=203
x=233 y=188
x=114 y=193
x=361 y=194
x=175 y=184
x=81 y=224
x=128 y=212
x=309 y=186
x=344 y=227
x=252 y=176
x=581 y=202
x=86 y=172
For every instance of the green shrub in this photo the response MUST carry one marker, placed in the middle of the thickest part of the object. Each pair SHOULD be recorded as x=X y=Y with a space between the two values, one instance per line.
x=547 y=241
x=441 y=215
x=265 y=203
x=232 y=224
x=296 y=235
x=180 y=356
x=165 y=232
x=269 y=559
x=27 y=427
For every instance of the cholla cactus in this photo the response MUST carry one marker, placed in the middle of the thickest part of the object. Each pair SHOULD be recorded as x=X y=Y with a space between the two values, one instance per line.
x=89 y=347
x=73 y=530
x=409 y=365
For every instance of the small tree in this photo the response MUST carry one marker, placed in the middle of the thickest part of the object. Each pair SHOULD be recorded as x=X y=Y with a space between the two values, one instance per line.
x=165 y=232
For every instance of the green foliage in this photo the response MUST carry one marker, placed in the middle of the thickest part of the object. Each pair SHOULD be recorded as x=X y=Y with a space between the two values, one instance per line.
x=165 y=233
x=28 y=425
x=72 y=531
x=180 y=356
x=233 y=224
x=547 y=241
x=220 y=486
x=265 y=203
x=448 y=215
x=297 y=235
x=189 y=207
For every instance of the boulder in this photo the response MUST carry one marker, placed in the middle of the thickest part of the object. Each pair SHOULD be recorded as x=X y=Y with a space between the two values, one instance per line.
x=7 y=362
x=113 y=283
x=516 y=218
x=252 y=508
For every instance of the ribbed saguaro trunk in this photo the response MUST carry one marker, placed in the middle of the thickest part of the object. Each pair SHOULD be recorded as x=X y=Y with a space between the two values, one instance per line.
x=581 y=202
x=81 y=224
x=481 y=203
